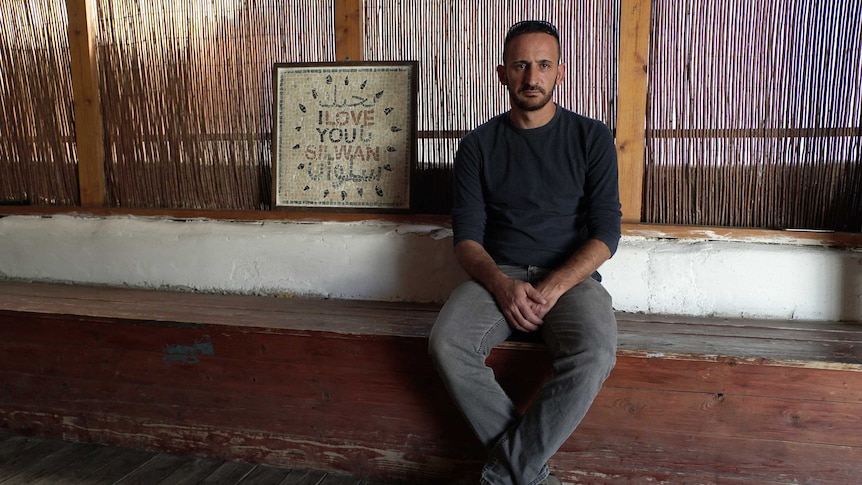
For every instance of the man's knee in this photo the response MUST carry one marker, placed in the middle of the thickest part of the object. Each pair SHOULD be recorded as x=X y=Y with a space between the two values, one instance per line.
x=438 y=344
x=606 y=359
x=445 y=345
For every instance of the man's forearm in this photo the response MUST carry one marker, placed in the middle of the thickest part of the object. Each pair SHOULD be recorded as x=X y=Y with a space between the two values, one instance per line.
x=518 y=300
x=478 y=264
x=580 y=266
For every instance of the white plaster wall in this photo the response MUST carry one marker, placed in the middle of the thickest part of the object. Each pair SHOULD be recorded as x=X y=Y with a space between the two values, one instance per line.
x=398 y=262
x=372 y=261
x=736 y=279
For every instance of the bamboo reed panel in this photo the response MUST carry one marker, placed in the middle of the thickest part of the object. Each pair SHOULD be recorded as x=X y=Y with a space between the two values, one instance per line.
x=755 y=115
x=458 y=46
x=38 y=158
x=187 y=94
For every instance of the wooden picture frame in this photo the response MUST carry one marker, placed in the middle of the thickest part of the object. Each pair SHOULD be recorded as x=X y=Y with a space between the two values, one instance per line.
x=344 y=135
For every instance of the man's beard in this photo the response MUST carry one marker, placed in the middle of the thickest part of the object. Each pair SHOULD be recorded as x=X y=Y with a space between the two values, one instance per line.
x=531 y=104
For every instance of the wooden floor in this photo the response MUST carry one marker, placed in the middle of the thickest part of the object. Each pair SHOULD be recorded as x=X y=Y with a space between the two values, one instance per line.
x=39 y=461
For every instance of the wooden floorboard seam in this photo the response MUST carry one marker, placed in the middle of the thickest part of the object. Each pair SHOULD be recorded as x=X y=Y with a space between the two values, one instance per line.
x=46 y=461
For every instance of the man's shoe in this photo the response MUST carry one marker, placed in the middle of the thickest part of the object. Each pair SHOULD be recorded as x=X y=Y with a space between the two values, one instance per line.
x=551 y=480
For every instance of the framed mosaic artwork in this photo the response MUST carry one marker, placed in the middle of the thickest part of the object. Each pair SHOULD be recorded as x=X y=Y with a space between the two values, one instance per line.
x=344 y=135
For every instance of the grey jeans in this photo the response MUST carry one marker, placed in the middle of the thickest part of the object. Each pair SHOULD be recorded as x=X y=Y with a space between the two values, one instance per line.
x=580 y=332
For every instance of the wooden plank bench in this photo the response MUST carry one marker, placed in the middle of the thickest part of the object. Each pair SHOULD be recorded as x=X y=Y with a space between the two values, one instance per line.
x=347 y=386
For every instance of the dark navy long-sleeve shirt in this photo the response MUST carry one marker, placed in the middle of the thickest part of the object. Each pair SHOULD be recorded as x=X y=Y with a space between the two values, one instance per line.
x=532 y=197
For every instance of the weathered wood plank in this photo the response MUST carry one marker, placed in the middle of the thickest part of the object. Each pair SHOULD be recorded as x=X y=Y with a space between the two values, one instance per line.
x=631 y=110
x=369 y=322
x=735 y=376
x=118 y=468
x=779 y=340
x=415 y=459
x=154 y=470
x=27 y=456
x=193 y=472
x=120 y=302
x=12 y=445
x=78 y=471
x=639 y=477
x=353 y=421
x=778 y=324
x=99 y=300
x=844 y=355
x=254 y=378
x=340 y=480
x=89 y=127
x=349 y=30
x=810 y=347
x=329 y=443
x=833 y=347
x=228 y=472
x=256 y=385
x=303 y=478
x=265 y=474
x=107 y=358
x=58 y=462
x=621 y=410
x=354 y=409
x=290 y=383
x=648 y=455
x=50 y=465
x=645 y=455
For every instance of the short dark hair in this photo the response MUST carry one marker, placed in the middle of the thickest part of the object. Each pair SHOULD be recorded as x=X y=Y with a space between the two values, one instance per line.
x=529 y=27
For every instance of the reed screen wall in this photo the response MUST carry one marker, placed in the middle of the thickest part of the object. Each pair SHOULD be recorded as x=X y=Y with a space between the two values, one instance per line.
x=187 y=95
x=461 y=43
x=754 y=114
x=753 y=119
x=38 y=159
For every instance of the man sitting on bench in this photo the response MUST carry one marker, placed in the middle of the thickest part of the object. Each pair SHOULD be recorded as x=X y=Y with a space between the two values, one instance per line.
x=536 y=212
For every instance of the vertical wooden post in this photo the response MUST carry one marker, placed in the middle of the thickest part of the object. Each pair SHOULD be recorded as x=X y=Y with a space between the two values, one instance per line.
x=349 y=30
x=631 y=114
x=89 y=129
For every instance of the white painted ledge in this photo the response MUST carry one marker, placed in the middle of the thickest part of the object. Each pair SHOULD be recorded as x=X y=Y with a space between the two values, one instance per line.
x=376 y=260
